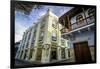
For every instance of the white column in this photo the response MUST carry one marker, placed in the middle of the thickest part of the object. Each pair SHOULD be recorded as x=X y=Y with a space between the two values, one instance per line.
x=25 y=45
x=46 y=54
x=20 y=46
x=66 y=53
x=58 y=36
x=66 y=49
x=30 y=42
x=31 y=37
x=59 y=43
x=36 y=42
x=48 y=31
x=59 y=53
x=37 y=34
x=23 y=41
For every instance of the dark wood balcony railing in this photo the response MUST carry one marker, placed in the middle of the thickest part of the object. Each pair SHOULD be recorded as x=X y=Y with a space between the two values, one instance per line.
x=83 y=22
x=76 y=25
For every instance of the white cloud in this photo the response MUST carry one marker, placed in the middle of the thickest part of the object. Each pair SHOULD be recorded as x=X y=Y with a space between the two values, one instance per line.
x=19 y=29
x=42 y=13
x=64 y=10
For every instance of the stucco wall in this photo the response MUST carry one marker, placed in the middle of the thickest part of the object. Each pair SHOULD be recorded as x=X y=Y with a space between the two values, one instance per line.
x=86 y=36
x=79 y=37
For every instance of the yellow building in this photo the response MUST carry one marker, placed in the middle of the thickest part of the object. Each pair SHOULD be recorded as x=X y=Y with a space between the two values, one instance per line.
x=42 y=41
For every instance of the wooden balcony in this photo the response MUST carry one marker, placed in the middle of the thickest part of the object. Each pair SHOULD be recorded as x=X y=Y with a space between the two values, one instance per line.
x=82 y=23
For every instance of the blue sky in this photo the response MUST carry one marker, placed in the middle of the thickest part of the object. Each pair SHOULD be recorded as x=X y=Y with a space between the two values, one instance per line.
x=22 y=21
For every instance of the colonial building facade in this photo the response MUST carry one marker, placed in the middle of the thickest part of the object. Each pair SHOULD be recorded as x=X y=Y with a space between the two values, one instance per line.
x=42 y=41
x=79 y=30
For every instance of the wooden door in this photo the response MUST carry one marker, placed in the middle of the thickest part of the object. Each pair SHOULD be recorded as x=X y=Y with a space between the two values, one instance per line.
x=82 y=52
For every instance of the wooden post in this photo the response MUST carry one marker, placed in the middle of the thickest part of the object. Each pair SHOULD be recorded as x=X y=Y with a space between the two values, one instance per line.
x=69 y=23
x=84 y=15
x=64 y=22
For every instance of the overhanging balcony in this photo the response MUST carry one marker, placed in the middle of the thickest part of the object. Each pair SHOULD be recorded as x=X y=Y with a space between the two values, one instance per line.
x=84 y=22
x=75 y=26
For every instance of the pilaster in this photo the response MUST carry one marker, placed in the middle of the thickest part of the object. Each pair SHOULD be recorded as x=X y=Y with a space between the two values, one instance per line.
x=66 y=49
x=30 y=43
x=59 y=53
x=34 y=55
x=25 y=45
x=21 y=44
x=37 y=34
x=46 y=54
x=58 y=36
x=66 y=53
x=36 y=42
x=48 y=30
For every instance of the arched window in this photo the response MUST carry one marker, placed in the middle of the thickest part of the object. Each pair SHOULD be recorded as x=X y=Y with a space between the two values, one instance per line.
x=54 y=36
x=41 y=36
x=42 y=26
x=79 y=19
x=54 y=25
x=91 y=13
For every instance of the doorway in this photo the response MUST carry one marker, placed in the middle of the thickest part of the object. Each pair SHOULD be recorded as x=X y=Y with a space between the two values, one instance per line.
x=82 y=52
x=53 y=54
x=63 y=53
x=25 y=55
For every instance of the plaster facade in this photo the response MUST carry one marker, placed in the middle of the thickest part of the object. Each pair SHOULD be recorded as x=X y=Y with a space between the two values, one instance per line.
x=42 y=42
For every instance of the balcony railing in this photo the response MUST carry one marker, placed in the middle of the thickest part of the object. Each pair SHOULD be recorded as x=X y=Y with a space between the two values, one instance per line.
x=84 y=22
x=76 y=25
x=54 y=43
